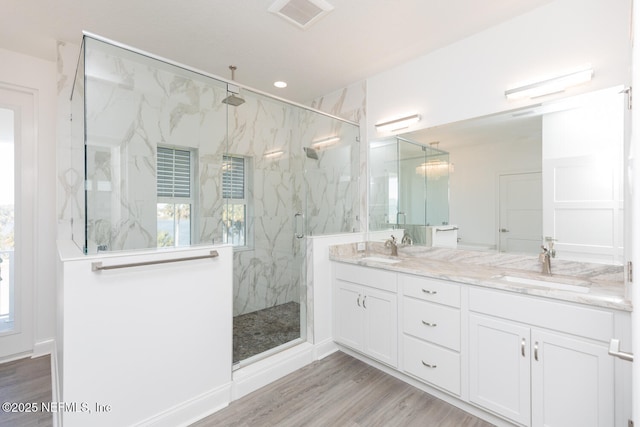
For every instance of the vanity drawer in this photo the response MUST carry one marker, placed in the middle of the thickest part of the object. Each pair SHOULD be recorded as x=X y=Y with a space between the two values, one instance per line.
x=569 y=318
x=432 y=322
x=432 y=290
x=373 y=277
x=433 y=364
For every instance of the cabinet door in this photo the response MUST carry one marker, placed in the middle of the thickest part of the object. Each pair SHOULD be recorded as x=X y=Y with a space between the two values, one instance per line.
x=349 y=315
x=499 y=368
x=572 y=382
x=381 y=326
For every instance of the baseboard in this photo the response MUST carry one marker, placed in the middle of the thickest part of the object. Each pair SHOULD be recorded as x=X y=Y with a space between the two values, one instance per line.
x=42 y=348
x=263 y=372
x=324 y=349
x=55 y=386
x=192 y=410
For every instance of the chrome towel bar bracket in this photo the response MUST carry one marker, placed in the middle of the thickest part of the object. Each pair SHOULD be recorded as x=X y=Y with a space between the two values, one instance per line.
x=97 y=266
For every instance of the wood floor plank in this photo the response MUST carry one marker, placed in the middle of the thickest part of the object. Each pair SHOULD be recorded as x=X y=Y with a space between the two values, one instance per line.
x=340 y=391
x=336 y=391
x=26 y=381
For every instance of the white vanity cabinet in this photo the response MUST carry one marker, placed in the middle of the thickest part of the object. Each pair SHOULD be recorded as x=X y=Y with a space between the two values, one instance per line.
x=366 y=311
x=431 y=331
x=540 y=362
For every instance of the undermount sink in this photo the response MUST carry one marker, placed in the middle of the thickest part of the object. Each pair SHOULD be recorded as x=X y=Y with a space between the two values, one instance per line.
x=562 y=284
x=381 y=259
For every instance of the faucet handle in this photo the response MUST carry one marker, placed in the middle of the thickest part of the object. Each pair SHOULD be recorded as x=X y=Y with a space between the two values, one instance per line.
x=550 y=242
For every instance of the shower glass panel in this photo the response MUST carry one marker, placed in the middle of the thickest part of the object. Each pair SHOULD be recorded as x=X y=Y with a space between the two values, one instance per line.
x=331 y=155
x=423 y=184
x=73 y=177
x=155 y=135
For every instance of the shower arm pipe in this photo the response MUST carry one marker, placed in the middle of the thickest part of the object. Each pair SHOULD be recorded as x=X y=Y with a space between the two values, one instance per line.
x=210 y=75
x=97 y=266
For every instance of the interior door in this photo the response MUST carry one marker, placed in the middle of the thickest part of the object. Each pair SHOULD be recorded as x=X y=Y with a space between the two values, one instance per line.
x=520 y=212
x=17 y=195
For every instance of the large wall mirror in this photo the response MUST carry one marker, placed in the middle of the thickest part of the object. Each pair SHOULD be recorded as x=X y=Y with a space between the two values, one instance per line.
x=508 y=181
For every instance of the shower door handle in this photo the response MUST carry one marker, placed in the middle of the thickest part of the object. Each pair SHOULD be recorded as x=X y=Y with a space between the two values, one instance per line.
x=296 y=219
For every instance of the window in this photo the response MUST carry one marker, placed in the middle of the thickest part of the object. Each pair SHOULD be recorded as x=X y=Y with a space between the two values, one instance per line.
x=234 y=192
x=175 y=196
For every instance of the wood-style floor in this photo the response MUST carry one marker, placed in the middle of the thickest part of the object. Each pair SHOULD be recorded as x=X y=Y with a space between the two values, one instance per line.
x=340 y=391
x=336 y=391
x=26 y=381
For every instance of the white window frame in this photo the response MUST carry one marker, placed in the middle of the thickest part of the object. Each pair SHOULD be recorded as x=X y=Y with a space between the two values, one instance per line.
x=245 y=201
x=175 y=200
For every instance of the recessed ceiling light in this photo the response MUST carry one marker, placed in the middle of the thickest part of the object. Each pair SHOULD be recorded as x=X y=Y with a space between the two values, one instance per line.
x=280 y=85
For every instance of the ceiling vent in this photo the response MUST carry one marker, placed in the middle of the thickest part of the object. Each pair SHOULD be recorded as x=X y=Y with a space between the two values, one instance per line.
x=302 y=13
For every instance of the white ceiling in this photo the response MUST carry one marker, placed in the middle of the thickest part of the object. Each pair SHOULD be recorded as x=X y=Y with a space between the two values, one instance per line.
x=358 y=39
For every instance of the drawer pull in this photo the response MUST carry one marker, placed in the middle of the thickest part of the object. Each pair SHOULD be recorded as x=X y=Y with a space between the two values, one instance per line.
x=535 y=351
x=427 y=291
x=433 y=325
x=614 y=350
x=364 y=302
x=359 y=300
x=522 y=346
x=428 y=365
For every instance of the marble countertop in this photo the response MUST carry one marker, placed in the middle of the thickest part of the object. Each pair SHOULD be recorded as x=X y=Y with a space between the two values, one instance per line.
x=585 y=283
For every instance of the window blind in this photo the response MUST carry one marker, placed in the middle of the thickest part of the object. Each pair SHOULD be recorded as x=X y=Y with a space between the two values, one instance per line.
x=174 y=172
x=233 y=177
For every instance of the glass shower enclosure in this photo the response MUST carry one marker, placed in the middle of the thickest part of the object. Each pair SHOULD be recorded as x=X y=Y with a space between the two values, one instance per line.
x=168 y=160
x=409 y=186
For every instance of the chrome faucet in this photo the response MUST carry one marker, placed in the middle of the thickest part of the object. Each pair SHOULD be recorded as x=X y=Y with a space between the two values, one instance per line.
x=545 y=259
x=393 y=244
x=548 y=252
x=406 y=239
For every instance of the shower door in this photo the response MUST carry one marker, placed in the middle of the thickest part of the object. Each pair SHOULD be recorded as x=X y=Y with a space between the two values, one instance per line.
x=300 y=177
x=265 y=211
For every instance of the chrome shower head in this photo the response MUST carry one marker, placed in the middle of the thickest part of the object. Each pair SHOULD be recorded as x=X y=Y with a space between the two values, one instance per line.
x=233 y=100
x=311 y=153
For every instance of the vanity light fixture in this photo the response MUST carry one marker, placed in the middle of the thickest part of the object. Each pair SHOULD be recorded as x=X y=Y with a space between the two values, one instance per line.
x=434 y=169
x=397 y=124
x=325 y=142
x=551 y=85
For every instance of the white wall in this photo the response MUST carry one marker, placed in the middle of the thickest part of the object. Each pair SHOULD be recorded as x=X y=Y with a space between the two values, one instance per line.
x=634 y=172
x=474 y=184
x=468 y=79
x=22 y=70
